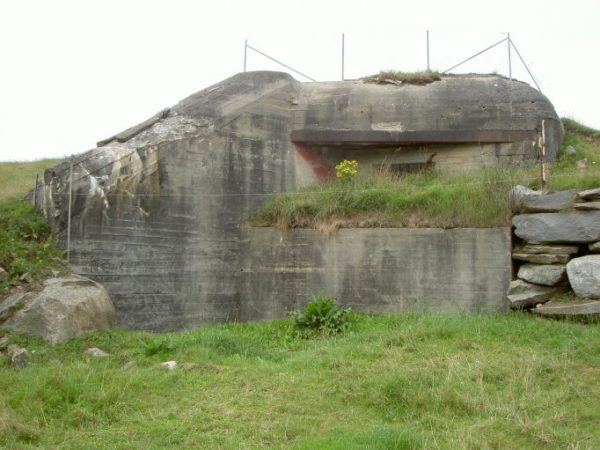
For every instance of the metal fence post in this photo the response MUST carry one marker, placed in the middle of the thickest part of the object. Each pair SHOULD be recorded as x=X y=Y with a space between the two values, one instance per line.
x=245 y=53
x=544 y=175
x=509 y=59
x=427 y=35
x=343 y=51
x=69 y=210
x=35 y=191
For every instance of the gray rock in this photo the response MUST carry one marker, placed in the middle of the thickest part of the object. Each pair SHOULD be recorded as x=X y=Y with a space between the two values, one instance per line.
x=19 y=356
x=570 y=227
x=582 y=164
x=547 y=275
x=542 y=258
x=588 y=206
x=523 y=295
x=570 y=150
x=518 y=192
x=10 y=305
x=584 y=276
x=96 y=352
x=571 y=309
x=3 y=275
x=547 y=202
x=66 y=307
x=167 y=365
x=590 y=194
x=595 y=247
x=537 y=249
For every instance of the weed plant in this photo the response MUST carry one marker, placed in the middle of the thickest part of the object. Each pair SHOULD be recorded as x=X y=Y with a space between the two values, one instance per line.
x=322 y=316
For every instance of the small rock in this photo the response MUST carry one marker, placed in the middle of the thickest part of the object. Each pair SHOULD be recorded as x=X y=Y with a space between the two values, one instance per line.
x=517 y=193
x=547 y=275
x=3 y=275
x=578 y=309
x=10 y=305
x=167 y=365
x=542 y=258
x=584 y=276
x=128 y=365
x=536 y=249
x=523 y=295
x=547 y=202
x=590 y=194
x=19 y=356
x=570 y=150
x=582 y=164
x=588 y=206
x=595 y=247
x=26 y=277
x=96 y=352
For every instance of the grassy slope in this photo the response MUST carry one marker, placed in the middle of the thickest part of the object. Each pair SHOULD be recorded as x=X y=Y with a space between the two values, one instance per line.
x=394 y=381
x=431 y=199
x=17 y=178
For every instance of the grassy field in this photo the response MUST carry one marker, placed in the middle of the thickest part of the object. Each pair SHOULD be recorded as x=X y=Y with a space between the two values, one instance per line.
x=429 y=199
x=17 y=178
x=391 y=382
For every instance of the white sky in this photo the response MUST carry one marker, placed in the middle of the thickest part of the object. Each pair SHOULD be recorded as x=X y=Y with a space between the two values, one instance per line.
x=75 y=72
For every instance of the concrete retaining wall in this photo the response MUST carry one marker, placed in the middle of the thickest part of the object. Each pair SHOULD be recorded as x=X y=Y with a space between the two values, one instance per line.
x=376 y=270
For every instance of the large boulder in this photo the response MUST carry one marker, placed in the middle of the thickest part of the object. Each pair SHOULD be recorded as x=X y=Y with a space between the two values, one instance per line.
x=584 y=276
x=523 y=295
x=547 y=202
x=547 y=275
x=571 y=227
x=66 y=307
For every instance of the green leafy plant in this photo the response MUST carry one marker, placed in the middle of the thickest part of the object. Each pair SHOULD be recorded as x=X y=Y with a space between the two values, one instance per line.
x=321 y=317
x=158 y=346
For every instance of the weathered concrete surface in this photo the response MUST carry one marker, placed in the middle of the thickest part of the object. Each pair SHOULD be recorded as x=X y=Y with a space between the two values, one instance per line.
x=379 y=269
x=157 y=218
x=572 y=227
x=547 y=275
x=158 y=208
x=584 y=276
x=66 y=307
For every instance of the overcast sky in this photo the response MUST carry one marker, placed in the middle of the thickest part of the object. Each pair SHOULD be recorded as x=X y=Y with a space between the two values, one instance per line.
x=75 y=72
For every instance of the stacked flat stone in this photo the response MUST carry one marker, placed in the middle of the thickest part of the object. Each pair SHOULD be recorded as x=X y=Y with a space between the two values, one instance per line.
x=561 y=251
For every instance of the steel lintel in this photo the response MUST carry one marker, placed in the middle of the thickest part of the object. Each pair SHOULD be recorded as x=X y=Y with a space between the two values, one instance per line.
x=388 y=138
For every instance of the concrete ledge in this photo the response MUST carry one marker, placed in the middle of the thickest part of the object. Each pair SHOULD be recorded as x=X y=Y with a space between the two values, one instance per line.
x=376 y=269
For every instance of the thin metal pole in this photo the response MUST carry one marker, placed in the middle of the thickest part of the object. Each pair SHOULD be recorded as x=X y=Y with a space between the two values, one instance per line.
x=35 y=191
x=245 y=53
x=343 y=51
x=475 y=55
x=69 y=210
x=526 y=68
x=543 y=158
x=508 y=41
x=279 y=62
x=428 y=67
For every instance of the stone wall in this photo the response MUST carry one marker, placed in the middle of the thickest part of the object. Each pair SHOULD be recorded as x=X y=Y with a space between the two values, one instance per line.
x=556 y=248
x=375 y=269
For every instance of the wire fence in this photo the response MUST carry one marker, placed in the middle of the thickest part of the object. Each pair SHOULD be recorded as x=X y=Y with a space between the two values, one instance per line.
x=507 y=40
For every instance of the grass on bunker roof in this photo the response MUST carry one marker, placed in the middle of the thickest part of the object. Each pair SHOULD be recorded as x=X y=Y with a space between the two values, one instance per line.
x=399 y=77
x=429 y=199
x=415 y=380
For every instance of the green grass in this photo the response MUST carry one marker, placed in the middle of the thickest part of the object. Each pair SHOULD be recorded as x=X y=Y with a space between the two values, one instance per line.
x=17 y=178
x=391 y=381
x=429 y=199
x=27 y=248
x=418 y=78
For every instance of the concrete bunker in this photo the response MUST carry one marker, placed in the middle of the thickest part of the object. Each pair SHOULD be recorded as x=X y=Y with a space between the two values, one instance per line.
x=160 y=209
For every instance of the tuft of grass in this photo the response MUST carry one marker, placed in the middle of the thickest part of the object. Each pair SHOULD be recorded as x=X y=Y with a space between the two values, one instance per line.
x=18 y=178
x=416 y=380
x=27 y=248
x=398 y=77
x=574 y=127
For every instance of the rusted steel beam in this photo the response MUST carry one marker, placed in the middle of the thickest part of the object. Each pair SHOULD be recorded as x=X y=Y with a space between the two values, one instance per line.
x=369 y=137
